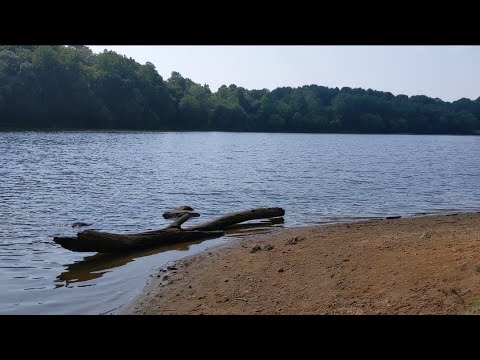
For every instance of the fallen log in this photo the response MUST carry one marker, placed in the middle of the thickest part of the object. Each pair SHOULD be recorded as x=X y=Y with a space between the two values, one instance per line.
x=238 y=217
x=253 y=226
x=103 y=242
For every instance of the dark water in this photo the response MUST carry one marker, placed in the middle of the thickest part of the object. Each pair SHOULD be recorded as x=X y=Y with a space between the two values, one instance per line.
x=123 y=182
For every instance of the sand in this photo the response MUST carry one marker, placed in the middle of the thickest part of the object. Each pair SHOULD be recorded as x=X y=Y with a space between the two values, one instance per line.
x=420 y=265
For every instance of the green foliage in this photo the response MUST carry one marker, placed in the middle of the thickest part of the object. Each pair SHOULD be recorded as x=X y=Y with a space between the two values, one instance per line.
x=70 y=87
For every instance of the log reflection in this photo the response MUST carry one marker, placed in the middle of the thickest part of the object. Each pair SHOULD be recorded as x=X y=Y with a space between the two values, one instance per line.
x=94 y=266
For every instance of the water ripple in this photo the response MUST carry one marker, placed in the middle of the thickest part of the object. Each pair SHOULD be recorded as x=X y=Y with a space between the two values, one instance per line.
x=123 y=181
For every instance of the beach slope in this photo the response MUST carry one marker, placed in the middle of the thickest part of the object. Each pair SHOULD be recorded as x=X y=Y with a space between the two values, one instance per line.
x=420 y=265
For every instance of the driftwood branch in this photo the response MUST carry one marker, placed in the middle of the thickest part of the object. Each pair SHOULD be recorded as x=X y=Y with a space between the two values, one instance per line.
x=183 y=213
x=238 y=217
x=177 y=223
x=95 y=241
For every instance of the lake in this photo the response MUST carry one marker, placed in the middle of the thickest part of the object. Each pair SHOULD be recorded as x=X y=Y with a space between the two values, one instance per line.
x=124 y=181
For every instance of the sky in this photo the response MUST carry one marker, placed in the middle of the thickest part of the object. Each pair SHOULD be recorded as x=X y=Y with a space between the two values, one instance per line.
x=447 y=72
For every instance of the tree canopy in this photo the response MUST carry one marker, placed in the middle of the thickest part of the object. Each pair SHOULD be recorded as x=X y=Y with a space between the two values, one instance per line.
x=70 y=87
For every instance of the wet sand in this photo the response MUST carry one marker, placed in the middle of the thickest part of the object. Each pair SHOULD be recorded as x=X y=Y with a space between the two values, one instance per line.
x=420 y=265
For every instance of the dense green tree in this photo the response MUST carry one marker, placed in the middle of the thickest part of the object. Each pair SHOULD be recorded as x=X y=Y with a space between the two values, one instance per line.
x=71 y=87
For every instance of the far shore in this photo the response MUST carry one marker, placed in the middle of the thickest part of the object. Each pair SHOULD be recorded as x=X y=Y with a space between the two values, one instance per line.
x=128 y=130
x=418 y=265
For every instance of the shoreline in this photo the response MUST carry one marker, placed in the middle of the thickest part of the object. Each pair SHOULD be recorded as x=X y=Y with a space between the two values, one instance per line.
x=425 y=264
x=107 y=130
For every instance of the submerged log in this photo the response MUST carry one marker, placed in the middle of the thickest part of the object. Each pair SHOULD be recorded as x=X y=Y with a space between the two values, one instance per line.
x=178 y=212
x=103 y=242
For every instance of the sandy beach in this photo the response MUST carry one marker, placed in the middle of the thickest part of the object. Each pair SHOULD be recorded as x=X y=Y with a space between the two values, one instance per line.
x=420 y=265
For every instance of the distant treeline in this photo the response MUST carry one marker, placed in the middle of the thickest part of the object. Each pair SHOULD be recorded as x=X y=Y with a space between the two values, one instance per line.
x=69 y=87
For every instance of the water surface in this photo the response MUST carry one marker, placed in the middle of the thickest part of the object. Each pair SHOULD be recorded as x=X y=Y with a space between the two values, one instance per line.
x=123 y=181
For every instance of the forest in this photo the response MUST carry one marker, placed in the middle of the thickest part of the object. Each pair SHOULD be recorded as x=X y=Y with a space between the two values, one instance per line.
x=70 y=87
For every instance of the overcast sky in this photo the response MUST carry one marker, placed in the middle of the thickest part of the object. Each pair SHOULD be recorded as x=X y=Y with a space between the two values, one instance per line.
x=446 y=72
